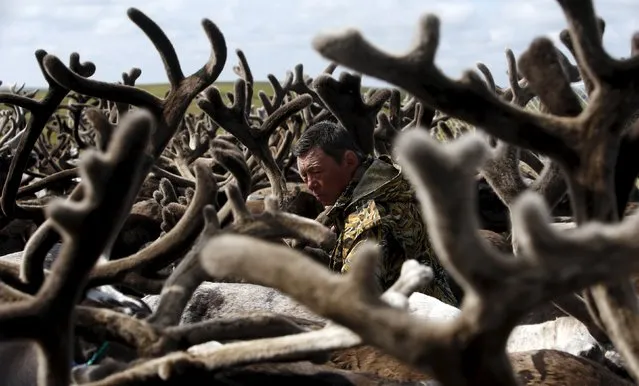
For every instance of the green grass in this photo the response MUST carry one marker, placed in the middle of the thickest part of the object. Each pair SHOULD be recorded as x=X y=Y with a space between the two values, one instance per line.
x=224 y=87
x=160 y=90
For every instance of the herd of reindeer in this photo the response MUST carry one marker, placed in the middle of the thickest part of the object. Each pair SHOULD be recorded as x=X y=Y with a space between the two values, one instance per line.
x=145 y=244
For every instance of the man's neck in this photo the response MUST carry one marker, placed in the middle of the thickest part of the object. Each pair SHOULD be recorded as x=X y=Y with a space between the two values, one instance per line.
x=356 y=177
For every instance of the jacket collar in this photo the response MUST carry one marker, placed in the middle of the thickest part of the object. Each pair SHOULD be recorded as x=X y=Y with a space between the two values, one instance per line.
x=381 y=172
x=367 y=182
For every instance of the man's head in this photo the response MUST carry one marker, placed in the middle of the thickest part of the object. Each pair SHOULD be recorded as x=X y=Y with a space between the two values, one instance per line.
x=327 y=158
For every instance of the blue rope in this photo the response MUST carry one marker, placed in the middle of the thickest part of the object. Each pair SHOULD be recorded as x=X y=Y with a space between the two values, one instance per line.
x=94 y=358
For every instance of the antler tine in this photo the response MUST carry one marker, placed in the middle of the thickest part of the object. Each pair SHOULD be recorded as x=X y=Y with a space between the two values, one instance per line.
x=49 y=180
x=232 y=160
x=279 y=92
x=162 y=44
x=384 y=133
x=490 y=81
x=395 y=108
x=517 y=93
x=128 y=79
x=244 y=71
x=274 y=223
x=241 y=214
x=344 y=100
x=587 y=42
x=301 y=87
x=230 y=157
x=174 y=178
x=566 y=39
x=330 y=68
x=501 y=171
x=10 y=133
x=634 y=44
x=554 y=91
x=560 y=99
x=20 y=100
x=571 y=70
x=284 y=149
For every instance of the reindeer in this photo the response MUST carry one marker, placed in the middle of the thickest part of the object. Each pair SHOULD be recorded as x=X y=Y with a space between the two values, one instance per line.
x=144 y=156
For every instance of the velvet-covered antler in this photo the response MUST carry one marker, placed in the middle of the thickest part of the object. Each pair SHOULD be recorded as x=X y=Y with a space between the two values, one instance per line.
x=343 y=98
x=586 y=146
x=168 y=112
x=234 y=120
x=500 y=289
x=87 y=227
x=298 y=344
x=41 y=111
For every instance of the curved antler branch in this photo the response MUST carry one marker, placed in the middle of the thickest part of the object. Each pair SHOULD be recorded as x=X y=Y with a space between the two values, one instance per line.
x=122 y=93
x=161 y=43
x=416 y=73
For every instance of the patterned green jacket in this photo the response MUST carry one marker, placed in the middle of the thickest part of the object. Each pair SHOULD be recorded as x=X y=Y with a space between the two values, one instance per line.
x=380 y=204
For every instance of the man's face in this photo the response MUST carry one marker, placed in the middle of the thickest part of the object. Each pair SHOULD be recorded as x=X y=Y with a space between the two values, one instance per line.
x=325 y=177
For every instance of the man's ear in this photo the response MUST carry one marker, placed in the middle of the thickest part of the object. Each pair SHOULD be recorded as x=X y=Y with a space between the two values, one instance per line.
x=350 y=158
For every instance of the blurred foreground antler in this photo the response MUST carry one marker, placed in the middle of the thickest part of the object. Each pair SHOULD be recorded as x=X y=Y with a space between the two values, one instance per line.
x=585 y=145
x=111 y=181
x=500 y=289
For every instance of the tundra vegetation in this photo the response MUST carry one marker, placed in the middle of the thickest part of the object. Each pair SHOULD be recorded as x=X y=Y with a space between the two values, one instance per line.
x=527 y=191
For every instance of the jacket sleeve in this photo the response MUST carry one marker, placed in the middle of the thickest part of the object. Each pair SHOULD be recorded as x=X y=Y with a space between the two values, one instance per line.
x=387 y=270
x=400 y=233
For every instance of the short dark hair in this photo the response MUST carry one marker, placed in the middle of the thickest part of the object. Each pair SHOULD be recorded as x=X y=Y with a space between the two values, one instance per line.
x=332 y=138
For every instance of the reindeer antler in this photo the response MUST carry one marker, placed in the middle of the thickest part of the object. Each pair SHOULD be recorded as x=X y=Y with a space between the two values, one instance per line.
x=41 y=111
x=87 y=227
x=168 y=112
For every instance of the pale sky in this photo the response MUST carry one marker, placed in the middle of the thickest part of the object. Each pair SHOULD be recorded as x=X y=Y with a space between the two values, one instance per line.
x=276 y=35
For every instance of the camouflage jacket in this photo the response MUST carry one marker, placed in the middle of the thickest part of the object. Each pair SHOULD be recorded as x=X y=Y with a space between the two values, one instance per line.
x=380 y=204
